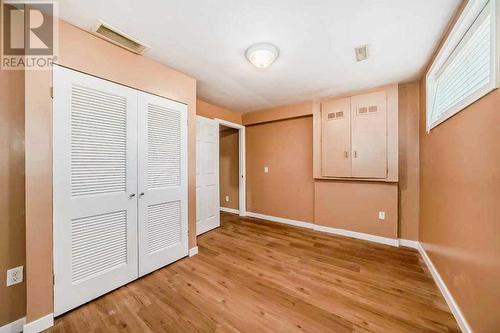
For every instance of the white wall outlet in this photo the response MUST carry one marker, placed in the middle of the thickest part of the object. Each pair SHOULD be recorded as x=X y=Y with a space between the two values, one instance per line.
x=227 y=198
x=266 y=169
x=381 y=215
x=14 y=276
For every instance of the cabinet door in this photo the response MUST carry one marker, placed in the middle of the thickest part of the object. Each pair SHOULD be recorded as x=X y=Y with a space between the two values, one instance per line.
x=369 y=135
x=162 y=182
x=336 y=138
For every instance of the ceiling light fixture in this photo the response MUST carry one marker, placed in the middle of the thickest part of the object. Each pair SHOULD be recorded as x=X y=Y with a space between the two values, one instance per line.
x=262 y=55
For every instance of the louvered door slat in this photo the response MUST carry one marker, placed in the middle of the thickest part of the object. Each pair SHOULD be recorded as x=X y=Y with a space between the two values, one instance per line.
x=98 y=123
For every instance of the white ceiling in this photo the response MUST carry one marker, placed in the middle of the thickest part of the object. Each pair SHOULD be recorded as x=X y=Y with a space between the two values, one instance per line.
x=207 y=39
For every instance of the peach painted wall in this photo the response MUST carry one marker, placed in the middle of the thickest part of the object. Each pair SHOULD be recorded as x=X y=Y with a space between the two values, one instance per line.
x=80 y=50
x=12 y=230
x=286 y=148
x=354 y=206
x=278 y=113
x=409 y=160
x=229 y=167
x=213 y=111
x=460 y=205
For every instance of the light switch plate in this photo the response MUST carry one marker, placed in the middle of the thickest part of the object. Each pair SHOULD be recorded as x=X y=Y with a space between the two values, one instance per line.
x=266 y=169
x=227 y=198
x=381 y=215
x=14 y=276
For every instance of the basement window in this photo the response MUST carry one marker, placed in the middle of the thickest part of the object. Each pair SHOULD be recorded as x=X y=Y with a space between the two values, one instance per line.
x=466 y=67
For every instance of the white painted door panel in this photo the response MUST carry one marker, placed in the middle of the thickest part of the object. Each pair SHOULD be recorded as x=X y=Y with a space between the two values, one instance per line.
x=162 y=178
x=369 y=135
x=207 y=175
x=95 y=183
x=336 y=138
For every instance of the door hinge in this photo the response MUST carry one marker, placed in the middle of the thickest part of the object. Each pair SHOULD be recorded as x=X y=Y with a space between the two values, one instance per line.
x=53 y=279
x=52 y=92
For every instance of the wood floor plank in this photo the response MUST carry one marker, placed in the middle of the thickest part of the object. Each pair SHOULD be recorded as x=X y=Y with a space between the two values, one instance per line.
x=257 y=276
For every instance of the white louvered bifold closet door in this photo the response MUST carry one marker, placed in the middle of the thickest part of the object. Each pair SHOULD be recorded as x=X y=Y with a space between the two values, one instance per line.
x=95 y=182
x=162 y=176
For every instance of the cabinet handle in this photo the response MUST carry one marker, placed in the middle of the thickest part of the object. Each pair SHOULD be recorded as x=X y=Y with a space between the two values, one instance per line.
x=355 y=154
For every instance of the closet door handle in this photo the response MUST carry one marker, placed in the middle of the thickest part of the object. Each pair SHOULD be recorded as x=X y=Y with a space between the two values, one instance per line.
x=355 y=154
x=131 y=196
x=141 y=194
x=346 y=154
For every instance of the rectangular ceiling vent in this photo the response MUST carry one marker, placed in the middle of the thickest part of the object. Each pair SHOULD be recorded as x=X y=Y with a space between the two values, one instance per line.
x=361 y=53
x=119 y=38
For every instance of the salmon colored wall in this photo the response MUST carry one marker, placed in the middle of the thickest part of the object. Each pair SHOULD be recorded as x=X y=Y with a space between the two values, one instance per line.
x=354 y=206
x=460 y=205
x=12 y=230
x=278 y=113
x=81 y=50
x=229 y=167
x=286 y=148
x=409 y=161
x=213 y=111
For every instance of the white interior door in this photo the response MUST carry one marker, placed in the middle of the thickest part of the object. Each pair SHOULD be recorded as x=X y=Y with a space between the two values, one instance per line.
x=207 y=175
x=163 y=220
x=95 y=183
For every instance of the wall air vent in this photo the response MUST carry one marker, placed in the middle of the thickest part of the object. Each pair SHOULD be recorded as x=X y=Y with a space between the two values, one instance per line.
x=361 y=53
x=119 y=38
x=335 y=115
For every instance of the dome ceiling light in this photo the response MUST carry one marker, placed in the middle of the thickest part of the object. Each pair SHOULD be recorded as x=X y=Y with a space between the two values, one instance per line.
x=262 y=55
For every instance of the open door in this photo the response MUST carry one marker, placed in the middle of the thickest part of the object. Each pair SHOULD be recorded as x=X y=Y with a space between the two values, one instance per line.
x=207 y=175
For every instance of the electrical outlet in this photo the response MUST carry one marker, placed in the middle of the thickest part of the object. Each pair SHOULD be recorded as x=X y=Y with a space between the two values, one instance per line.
x=14 y=276
x=381 y=215
x=266 y=169
x=227 y=198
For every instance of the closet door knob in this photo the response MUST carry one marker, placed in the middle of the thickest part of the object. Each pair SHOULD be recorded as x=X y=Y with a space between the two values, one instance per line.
x=141 y=194
x=355 y=154
x=346 y=154
x=131 y=196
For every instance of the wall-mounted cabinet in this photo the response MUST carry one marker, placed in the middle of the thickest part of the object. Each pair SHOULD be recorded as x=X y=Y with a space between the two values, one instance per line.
x=356 y=137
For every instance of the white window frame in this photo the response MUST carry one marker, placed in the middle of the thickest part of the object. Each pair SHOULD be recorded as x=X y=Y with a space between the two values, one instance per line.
x=471 y=12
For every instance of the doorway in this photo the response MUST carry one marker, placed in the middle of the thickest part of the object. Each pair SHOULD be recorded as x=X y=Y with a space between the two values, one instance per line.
x=232 y=168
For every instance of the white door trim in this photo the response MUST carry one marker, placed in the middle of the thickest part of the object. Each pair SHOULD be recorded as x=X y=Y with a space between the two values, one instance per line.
x=241 y=148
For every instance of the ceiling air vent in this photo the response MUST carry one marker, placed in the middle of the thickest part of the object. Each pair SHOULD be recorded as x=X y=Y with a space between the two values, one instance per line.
x=361 y=53
x=119 y=38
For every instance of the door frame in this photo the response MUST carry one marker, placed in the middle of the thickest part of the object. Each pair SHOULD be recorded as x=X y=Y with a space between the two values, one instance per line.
x=242 y=205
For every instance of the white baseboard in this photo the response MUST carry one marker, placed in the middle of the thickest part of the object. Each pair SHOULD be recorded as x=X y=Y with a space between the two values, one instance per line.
x=409 y=243
x=14 y=327
x=281 y=220
x=40 y=324
x=193 y=251
x=341 y=232
x=462 y=322
x=230 y=210
x=358 y=235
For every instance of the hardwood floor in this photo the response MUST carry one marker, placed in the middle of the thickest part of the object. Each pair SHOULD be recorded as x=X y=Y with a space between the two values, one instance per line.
x=256 y=276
